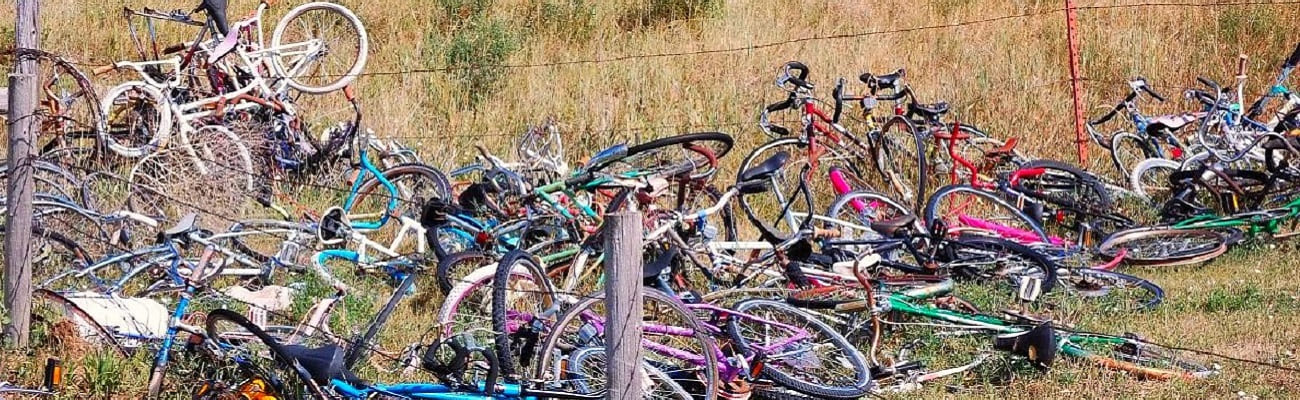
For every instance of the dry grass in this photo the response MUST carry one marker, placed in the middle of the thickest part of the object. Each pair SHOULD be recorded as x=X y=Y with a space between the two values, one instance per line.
x=1004 y=76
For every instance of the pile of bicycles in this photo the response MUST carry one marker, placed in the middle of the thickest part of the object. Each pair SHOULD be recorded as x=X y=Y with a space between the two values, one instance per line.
x=841 y=260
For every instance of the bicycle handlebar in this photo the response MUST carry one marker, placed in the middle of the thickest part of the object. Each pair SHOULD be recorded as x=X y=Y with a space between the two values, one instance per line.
x=800 y=81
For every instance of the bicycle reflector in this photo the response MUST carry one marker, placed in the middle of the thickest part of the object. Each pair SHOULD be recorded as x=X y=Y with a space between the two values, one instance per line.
x=53 y=373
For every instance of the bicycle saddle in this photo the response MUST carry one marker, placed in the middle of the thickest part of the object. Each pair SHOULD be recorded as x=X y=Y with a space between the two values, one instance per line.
x=887 y=81
x=322 y=363
x=762 y=172
x=1171 y=122
x=928 y=110
x=1038 y=345
x=890 y=227
x=187 y=224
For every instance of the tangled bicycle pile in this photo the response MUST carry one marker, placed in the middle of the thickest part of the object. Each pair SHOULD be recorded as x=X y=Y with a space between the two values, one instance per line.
x=861 y=233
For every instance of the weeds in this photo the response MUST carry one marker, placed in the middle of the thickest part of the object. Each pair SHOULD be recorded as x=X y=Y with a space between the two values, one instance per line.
x=656 y=12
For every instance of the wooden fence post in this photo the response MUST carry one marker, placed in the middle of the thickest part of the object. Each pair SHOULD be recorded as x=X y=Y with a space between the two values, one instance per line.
x=23 y=123
x=623 y=302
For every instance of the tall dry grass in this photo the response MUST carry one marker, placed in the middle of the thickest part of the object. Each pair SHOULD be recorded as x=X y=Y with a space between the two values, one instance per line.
x=1005 y=76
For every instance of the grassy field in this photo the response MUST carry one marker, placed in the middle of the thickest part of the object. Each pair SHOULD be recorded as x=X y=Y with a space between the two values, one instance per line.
x=1007 y=76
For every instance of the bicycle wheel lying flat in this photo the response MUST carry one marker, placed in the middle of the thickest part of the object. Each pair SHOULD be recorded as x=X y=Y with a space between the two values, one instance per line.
x=583 y=326
x=823 y=363
x=1164 y=247
x=1114 y=290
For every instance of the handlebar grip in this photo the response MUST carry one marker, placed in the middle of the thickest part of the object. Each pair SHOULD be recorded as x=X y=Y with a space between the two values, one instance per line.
x=1241 y=64
x=798 y=66
x=802 y=79
x=782 y=105
x=1294 y=59
x=103 y=70
x=1105 y=118
x=1211 y=83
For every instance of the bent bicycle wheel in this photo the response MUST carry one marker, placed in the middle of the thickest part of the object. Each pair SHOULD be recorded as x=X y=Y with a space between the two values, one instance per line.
x=1164 y=247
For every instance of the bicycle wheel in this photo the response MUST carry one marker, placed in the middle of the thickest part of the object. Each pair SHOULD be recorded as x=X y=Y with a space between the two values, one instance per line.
x=863 y=208
x=779 y=209
x=68 y=107
x=986 y=257
x=264 y=359
x=696 y=151
x=453 y=269
x=1135 y=356
x=1150 y=179
x=162 y=184
x=1081 y=197
x=222 y=158
x=899 y=149
x=823 y=363
x=137 y=119
x=1164 y=247
x=962 y=206
x=1113 y=290
x=416 y=185
x=320 y=47
x=523 y=311
x=1126 y=151
x=587 y=374
x=582 y=326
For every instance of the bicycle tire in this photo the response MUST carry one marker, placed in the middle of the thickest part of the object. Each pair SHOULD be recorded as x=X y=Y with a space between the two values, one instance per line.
x=158 y=135
x=1211 y=245
x=910 y=186
x=757 y=205
x=500 y=310
x=1141 y=183
x=85 y=95
x=1088 y=181
x=705 y=384
x=409 y=204
x=342 y=79
x=1011 y=215
x=453 y=262
x=1094 y=283
x=796 y=377
x=981 y=243
x=720 y=144
x=278 y=353
x=1125 y=142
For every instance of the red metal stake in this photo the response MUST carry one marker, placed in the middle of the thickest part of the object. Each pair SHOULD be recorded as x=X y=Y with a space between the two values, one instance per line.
x=1072 y=31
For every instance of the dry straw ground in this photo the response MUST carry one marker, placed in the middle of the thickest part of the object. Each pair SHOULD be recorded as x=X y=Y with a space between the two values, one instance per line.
x=1004 y=75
